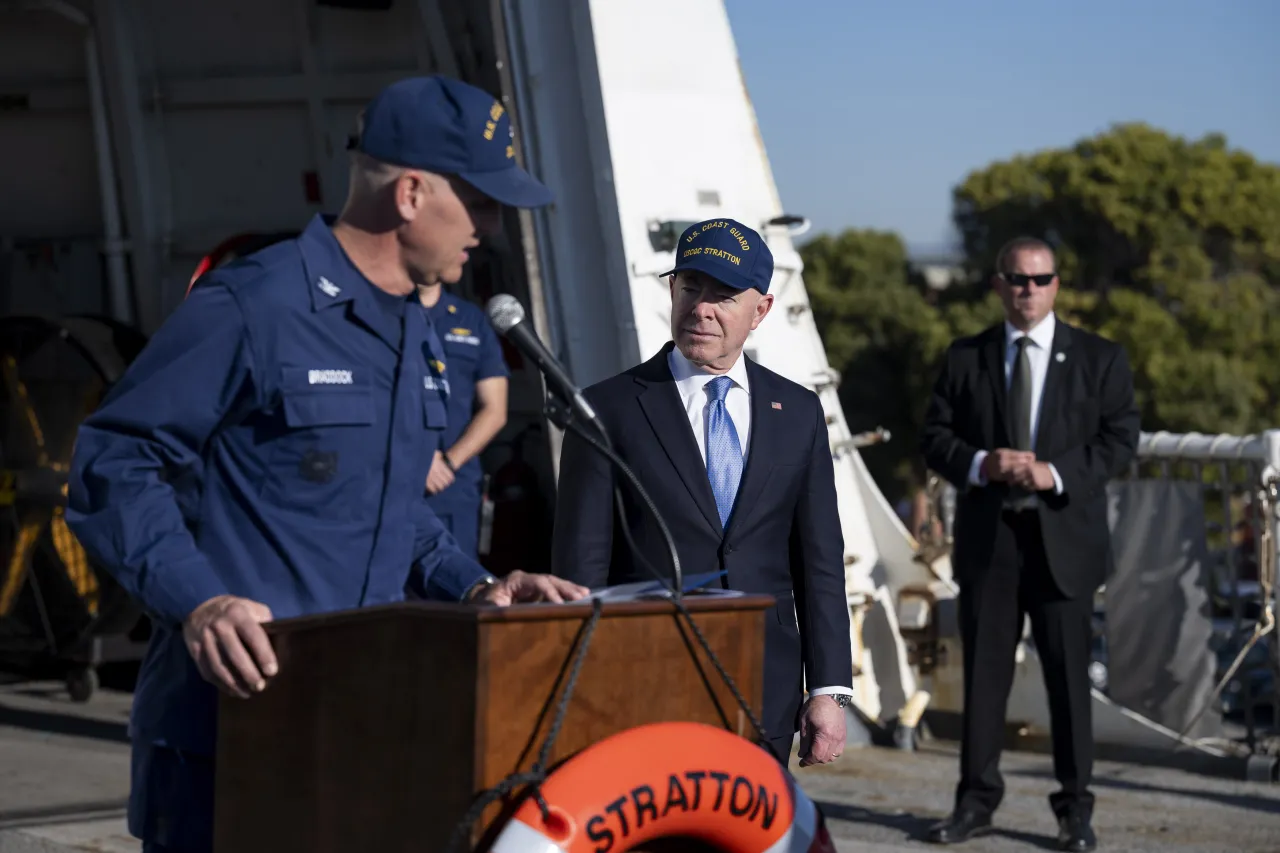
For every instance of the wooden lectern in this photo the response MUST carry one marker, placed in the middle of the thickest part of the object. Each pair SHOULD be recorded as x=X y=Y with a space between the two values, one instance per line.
x=386 y=723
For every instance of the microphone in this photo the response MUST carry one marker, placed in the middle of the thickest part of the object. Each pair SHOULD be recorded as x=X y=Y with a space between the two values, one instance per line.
x=507 y=316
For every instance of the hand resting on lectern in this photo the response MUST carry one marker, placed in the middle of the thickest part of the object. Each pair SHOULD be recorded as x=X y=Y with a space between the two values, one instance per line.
x=521 y=587
x=225 y=638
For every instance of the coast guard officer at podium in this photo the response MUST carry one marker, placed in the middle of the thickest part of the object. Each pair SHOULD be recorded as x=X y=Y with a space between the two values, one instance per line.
x=739 y=462
x=265 y=455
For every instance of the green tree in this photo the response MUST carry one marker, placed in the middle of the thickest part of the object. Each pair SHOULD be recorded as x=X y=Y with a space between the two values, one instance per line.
x=883 y=336
x=1170 y=246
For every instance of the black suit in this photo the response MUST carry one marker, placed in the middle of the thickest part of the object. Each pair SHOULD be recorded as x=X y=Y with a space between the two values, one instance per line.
x=1045 y=562
x=783 y=538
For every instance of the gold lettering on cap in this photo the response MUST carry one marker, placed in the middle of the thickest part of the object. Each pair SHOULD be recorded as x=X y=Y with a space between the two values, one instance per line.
x=715 y=253
x=491 y=126
x=742 y=241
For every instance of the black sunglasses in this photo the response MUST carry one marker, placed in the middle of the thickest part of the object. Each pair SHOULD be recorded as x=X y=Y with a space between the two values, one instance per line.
x=1018 y=279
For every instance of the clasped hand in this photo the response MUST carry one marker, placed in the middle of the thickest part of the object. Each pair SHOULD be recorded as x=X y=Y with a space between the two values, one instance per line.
x=225 y=637
x=1018 y=468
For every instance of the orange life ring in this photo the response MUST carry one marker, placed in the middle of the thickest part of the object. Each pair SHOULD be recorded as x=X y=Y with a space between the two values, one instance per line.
x=669 y=780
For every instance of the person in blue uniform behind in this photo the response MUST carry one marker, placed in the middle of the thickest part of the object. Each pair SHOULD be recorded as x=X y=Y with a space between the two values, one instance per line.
x=475 y=391
x=264 y=457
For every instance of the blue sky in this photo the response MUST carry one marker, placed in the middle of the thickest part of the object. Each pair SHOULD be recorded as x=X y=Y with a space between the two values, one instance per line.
x=873 y=111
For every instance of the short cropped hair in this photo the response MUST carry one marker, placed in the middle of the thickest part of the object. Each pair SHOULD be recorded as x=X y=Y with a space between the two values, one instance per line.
x=1022 y=244
x=368 y=176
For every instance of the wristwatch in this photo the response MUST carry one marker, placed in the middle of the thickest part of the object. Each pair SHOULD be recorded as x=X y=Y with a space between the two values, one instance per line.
x=487 y=580
x=842 y=699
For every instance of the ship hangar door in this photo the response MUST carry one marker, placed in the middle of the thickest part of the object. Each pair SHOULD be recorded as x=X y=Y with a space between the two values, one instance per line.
x=225 y=126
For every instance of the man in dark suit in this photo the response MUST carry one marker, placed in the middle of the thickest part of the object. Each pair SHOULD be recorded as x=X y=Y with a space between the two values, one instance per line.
x=738 y=460
x=1029 y=420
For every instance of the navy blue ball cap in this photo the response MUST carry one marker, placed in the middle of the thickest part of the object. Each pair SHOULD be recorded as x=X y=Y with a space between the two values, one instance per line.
x=443 y=125
x=728 y=251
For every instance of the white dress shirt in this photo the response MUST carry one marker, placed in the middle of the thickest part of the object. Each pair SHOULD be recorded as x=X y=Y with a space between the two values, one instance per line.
x=691 y=384
x=1039 y=351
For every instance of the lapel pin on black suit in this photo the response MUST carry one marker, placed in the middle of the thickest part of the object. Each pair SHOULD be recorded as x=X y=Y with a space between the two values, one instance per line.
x=1060 y=357
x=777 y=406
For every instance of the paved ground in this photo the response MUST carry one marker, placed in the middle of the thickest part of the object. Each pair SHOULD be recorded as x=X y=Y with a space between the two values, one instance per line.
x=55 y=755
x=882 y=801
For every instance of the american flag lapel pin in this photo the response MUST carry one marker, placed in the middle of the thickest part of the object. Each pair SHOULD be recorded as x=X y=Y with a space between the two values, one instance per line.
x=778 y=406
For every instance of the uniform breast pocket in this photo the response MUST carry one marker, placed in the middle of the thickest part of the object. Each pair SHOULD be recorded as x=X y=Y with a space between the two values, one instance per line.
x=462 y=352
x=435 y=416
x=463 y=362
x=326 y=451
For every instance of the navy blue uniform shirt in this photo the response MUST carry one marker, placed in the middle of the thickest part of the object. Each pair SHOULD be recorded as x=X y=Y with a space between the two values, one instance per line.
x=472 y=353
x=270 y=442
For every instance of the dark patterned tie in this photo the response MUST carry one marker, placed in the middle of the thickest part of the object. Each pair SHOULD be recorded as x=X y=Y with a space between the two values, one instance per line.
x=1020 y=412
x=1020 y=396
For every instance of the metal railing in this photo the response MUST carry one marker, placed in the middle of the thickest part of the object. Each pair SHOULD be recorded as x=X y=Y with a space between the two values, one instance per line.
x=1239 y=477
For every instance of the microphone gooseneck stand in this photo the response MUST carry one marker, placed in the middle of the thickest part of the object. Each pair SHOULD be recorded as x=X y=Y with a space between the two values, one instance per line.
x=567 y=419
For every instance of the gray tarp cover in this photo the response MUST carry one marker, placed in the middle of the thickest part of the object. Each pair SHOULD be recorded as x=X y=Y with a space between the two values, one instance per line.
x=1158 y=628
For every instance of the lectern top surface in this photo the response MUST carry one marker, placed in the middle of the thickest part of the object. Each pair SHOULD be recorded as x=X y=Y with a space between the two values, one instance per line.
x=520 y=612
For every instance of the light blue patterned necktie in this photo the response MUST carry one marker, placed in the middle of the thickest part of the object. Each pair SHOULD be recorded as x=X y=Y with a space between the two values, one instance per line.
x=724 y=450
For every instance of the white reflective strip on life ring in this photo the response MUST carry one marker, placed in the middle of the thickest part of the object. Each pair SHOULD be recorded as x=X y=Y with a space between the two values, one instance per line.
x=804 y=826
x=518 y=837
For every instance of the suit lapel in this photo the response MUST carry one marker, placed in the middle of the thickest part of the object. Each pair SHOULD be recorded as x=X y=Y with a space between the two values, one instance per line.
x=661 y=405
x=993 y=366
x=1050 y=412
x=766 y=432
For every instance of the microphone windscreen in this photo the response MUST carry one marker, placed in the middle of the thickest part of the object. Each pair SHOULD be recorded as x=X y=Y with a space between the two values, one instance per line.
x=504 y=311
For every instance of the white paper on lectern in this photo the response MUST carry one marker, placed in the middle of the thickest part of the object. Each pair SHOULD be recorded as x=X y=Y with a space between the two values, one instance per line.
x=655 y=590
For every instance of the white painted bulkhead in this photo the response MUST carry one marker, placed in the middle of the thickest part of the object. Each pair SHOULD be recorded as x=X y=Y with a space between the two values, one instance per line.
x=685 y=147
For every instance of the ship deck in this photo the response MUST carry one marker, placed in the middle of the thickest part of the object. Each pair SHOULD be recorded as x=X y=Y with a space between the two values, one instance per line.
x=64 y=776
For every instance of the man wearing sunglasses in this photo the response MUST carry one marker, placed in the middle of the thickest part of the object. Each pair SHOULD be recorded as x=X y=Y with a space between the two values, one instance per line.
x=1029 y=420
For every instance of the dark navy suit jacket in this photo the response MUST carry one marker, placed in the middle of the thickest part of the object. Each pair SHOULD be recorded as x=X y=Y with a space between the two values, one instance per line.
x=783 y=538
x=1089 y=430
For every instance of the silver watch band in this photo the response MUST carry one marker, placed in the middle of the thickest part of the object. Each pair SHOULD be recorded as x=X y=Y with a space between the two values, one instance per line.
x=487 y=580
